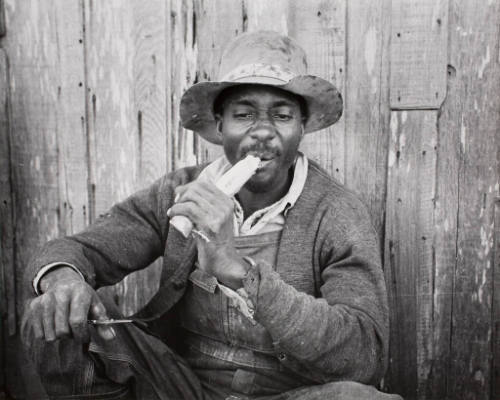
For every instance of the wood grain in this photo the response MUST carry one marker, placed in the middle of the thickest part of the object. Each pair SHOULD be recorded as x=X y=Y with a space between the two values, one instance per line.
x=46 y=67
x=212 y=36
x=495 y=373
x=149 y=86
x=7 y=238
x=320 y=28
x=366 y=104
x=474 y=105
x=265 y=15
x=112 y=121
x=71 y=135
x=3 y=28
x=445 y=249
x=126 y=106
x=7 y=271
x=419 y=37
x=46 y=119
x=181 y=37
x=408 y=247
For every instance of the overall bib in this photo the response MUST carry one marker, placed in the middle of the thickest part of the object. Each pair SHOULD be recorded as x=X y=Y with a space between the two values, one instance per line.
x=225 y=347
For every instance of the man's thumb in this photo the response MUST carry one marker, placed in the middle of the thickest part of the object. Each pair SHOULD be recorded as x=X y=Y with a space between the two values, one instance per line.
x=98 y=312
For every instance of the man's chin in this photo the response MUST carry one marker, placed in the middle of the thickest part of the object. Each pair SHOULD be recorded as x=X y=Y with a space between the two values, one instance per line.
x=259 y=184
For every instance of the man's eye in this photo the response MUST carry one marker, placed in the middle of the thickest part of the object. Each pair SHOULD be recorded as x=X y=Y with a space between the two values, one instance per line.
x=282 y=117
x=243 y=116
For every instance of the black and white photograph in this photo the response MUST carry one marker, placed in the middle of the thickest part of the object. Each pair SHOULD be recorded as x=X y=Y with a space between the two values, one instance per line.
x=250 y=199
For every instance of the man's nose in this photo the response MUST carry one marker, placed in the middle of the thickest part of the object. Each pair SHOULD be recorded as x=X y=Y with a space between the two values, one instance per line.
x=263 y=129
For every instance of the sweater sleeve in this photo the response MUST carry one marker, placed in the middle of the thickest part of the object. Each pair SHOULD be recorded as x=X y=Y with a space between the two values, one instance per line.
x=127 y=238
x=343 y=334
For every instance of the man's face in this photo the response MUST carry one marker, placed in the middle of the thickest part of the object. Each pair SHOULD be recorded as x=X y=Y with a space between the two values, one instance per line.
x=266 y=122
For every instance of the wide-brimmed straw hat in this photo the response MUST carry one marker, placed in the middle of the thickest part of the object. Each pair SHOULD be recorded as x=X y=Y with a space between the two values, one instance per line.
x=264 y=58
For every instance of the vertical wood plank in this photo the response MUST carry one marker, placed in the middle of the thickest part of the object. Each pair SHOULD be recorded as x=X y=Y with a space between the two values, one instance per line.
x=495 y=374
x=265 y=15
x=474 y=105
x=71 y=138
x=425 y=287
x=409 y=238
x=2 y=357
x=413 y=358
x=418 y=63
x=46 y=69
x=3 y=28
x=126 y=103
x=149 y=82
x=47 y=120
x=320 y=28
x=182 y=37
x=212 y=36
x=7 y=271
x=445 y=250
x=366 y=104
x=170 y=133
x=112 y=122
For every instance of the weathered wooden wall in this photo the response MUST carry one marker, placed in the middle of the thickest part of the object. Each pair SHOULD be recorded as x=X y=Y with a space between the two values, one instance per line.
x=89 y=95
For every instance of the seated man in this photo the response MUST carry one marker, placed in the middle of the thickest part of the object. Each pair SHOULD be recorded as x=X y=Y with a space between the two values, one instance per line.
x=278 y=294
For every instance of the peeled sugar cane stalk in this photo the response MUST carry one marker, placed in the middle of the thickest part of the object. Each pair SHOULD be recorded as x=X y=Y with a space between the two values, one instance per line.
x=230 y=183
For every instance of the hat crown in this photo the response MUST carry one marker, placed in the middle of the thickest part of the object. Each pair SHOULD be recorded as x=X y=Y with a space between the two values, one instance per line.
x=253 y=53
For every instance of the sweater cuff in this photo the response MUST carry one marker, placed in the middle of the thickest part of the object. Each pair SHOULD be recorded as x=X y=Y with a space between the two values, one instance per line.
x=252 y=280
x=49 y=267
x=251 y=283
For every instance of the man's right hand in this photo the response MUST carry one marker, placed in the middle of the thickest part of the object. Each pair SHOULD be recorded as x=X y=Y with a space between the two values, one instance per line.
x=64 y=308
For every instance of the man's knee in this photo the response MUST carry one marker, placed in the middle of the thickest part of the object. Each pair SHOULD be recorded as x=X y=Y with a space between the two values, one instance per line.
x=56 y=358
x=43 y=353
x=67 y=368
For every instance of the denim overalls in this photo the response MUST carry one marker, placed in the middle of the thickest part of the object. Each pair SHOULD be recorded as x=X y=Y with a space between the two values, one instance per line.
x=225 y=347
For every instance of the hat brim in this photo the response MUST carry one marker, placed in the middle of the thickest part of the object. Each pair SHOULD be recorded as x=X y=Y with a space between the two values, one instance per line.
x=324 y=103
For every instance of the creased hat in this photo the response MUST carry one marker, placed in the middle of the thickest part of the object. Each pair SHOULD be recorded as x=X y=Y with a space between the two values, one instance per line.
x=264 y=58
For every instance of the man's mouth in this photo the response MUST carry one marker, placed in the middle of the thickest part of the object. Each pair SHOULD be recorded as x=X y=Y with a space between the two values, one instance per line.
x=264 y=156
x=264 y=163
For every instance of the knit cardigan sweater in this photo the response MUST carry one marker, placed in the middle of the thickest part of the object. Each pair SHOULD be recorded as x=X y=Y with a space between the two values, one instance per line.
x=334 y=329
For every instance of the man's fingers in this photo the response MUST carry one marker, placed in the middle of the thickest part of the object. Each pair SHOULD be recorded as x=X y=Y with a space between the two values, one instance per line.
x=61 y=318
x=37 y=327
x=98 y=311
x=202 y=189
x=205 y=201
x=78 y=314
x=32 y=324
x=188 y=209
x=200 y=207
x=200 y=218
x=48 y=304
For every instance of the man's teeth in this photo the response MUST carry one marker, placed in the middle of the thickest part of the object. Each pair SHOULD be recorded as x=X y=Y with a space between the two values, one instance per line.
x=264 y=157
x=263 y=163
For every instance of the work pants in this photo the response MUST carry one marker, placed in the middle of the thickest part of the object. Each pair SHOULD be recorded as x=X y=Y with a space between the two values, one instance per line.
x=136 y=365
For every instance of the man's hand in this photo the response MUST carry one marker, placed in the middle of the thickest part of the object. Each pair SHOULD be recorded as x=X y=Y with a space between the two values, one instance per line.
x=211 y=213
x=64 y=307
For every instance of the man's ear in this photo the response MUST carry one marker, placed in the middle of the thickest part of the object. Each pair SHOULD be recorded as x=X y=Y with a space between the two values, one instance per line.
x=218 y=124
x=303 y=132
